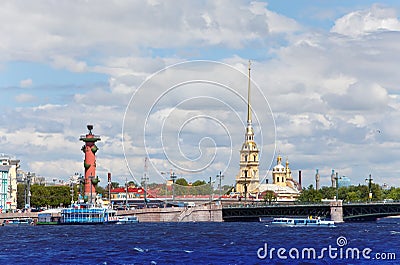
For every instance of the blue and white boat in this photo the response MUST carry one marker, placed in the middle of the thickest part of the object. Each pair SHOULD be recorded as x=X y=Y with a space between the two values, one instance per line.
x=87 y=214
x=302 y=222
x=128 y=219
x=18 y=222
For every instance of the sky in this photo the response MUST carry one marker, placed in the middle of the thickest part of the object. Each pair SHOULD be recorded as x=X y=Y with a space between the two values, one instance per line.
x=167 y=80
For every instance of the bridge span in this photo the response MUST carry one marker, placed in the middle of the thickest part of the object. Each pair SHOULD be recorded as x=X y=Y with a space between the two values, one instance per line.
x=334 y=210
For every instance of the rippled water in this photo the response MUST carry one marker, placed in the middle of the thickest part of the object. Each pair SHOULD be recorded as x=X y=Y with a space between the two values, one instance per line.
x=191 y=243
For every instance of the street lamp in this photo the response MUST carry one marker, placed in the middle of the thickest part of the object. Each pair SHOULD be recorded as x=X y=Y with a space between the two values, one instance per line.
x=173 y=178
x=369 y=180
x=81 y=183
x=337 y=185
x=166 y=188
x=28 y=190
x=220 y=176
x=91 y=185
x=145 y=179
x=211 y=192
x=126 y=193
x=245 y=185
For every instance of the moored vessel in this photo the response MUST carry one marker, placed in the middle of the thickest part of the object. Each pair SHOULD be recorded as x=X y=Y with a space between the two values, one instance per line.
x=49 y=217
x=310 y=221
x=129 y=219
x=17 y=222
x=87 y=214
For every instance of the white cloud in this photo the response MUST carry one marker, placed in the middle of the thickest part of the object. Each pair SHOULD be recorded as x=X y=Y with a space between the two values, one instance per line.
x=362 y=22
x=360 y=96
x=330 y=95
x=26 y=83
x=119 y=29
x=60 y=61
x=25 y=98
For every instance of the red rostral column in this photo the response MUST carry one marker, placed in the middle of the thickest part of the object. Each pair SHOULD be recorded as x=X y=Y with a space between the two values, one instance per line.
x=89 y=164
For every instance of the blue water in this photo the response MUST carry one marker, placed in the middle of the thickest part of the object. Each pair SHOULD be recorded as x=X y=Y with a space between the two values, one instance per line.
x=192 y=243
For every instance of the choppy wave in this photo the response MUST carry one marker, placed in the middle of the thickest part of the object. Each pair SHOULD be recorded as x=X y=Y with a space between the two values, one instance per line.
x=182 y=243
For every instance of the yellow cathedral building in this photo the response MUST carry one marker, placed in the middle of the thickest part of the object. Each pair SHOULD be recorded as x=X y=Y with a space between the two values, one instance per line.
x=248 y=180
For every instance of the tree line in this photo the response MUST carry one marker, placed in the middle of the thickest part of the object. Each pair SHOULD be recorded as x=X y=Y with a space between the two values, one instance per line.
x=359 y=193
x=56 y=196
x=50 y=196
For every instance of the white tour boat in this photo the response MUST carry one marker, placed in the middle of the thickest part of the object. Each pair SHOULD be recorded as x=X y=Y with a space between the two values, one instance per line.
x=284 y=221
x=128 y=219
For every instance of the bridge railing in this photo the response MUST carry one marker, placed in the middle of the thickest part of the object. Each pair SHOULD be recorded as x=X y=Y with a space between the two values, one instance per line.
x=280 y=204
x=262 y=204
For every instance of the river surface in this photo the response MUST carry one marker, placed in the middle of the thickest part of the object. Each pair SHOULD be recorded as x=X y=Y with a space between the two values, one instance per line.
x=201 y=243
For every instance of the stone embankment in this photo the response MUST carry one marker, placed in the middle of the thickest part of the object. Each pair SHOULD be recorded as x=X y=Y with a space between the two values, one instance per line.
x=201 y=213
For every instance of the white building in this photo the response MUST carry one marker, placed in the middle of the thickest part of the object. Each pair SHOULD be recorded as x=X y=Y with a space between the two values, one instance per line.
x=8 y=183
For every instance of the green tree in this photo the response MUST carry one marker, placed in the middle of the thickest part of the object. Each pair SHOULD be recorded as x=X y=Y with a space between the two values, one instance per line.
x=181 y=181
x=377 y=194
x=59 y=196
x=53 y=196
x=310 y=195
x=352 y=196
x=270 y=196
x=40 y=196
x=102 y=191
x=199 y=183
x=132 y=183
x=21 y=196
x=393 y=193
x=114 y=185
x=328 y=192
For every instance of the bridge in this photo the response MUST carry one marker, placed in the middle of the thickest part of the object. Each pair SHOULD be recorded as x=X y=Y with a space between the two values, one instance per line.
x=334 y=210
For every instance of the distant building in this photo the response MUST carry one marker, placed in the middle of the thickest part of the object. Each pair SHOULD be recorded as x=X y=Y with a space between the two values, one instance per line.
x=343 y=182
x=22 y=177
x=119 y=196
x=120 y=193
x=8 y=183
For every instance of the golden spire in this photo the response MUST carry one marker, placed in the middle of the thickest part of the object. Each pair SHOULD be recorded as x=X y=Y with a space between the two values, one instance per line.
x=248 y=98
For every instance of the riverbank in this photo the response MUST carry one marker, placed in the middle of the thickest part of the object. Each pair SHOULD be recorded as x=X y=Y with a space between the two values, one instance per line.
x=203 y=213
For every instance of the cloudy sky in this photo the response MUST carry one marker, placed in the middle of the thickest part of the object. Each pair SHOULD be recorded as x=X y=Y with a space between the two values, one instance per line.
x=167 y=80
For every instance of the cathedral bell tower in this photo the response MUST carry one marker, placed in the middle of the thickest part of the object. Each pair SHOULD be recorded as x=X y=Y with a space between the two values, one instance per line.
x=248 y=180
